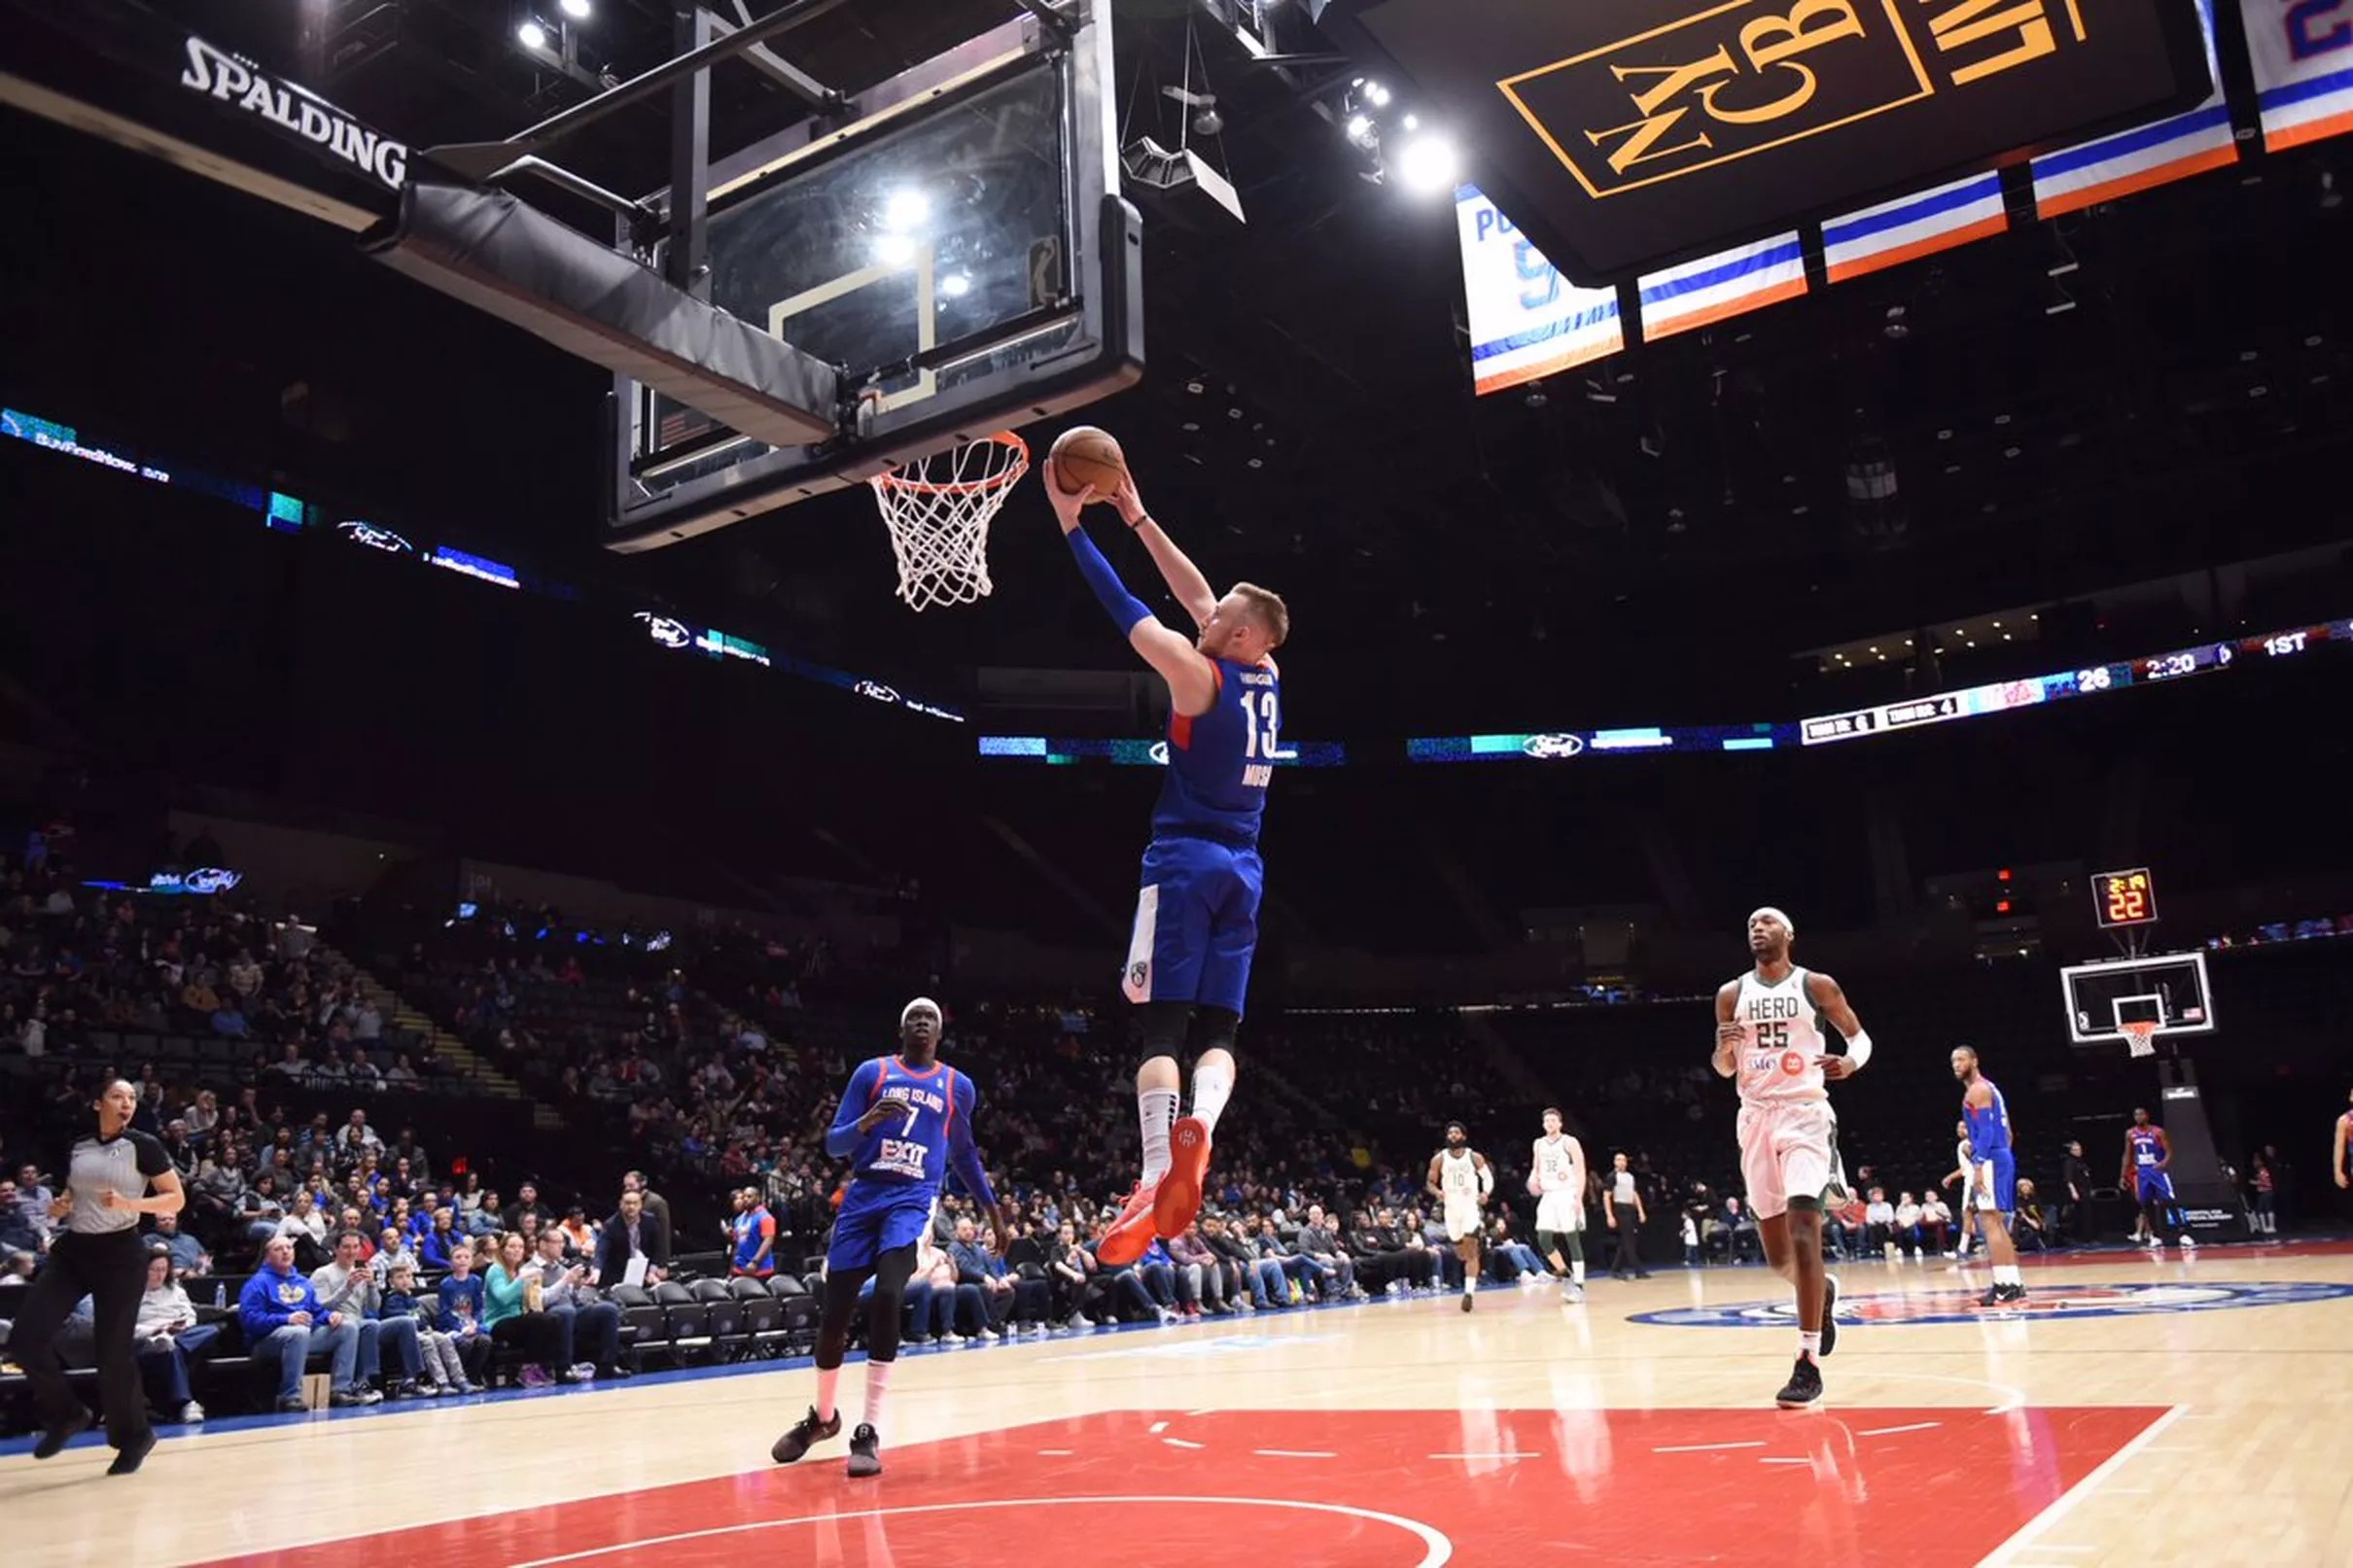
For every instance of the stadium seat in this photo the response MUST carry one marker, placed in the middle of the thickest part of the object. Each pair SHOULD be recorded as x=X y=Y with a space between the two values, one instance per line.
x=689 y=1320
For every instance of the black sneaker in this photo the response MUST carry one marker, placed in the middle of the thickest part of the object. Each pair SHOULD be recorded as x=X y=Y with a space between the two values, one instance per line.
x=2002 y=1296
x=805 y=1431
x=128 y=1460
x=864 y=1460
x=53 y=1440
x=1830 y=1314
x=1466 y=1301
x=1805 y=1386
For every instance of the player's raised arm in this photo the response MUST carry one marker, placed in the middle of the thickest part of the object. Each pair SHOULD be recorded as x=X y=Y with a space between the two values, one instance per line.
x=1192 y=679
x=1729 y=1034
x=1176 y=568
x=1834 y=1005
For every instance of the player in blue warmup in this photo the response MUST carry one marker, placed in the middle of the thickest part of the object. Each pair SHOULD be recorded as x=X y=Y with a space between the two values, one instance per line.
x=904 y=1121
x=1993 y=1178
x=2148 y=1162
x=1188 y=964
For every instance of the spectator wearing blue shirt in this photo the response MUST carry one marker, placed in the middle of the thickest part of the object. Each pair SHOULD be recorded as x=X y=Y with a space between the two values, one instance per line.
x=463 y=1300
x=438 y=1245
x=283 y=1323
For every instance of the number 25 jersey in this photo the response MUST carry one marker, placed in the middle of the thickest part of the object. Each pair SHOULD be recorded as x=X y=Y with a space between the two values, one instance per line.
x=1784 y=1035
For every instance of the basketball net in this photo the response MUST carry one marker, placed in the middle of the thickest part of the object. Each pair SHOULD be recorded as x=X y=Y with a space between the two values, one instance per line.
x=2140 y=1038
x=938 y=508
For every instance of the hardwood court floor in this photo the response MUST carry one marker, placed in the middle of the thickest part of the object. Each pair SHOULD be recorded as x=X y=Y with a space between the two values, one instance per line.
x=2142 y=1413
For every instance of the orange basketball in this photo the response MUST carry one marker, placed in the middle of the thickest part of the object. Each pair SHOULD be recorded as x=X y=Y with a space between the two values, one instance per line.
x=1083 y=456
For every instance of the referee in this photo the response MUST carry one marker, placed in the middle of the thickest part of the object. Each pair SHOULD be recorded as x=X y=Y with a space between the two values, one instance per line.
x=102 y=1256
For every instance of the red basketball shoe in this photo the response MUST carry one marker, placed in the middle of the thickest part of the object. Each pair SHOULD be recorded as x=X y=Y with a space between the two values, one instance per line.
x=1179 y=1202
x=1132 y=1232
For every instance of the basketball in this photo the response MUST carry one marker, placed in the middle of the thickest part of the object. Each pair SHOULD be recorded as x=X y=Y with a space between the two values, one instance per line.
x=1083 y=456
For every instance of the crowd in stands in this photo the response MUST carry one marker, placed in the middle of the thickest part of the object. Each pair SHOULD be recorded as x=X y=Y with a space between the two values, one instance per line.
x=713 y=1060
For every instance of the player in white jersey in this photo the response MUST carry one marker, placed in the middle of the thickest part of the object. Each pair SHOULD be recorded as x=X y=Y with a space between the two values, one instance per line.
x=1555 y=1175
x=1770 y=1036
x=1460 y=1178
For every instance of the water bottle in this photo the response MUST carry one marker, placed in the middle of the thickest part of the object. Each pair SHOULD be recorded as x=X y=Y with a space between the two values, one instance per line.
x=220 y=1294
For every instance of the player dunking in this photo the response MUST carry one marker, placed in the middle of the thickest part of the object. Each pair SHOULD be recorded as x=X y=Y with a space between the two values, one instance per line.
x=1188 y=963
x=1770 y=1037
x=2148 y=1171
x=1462 y=1179
x=1555 y=1175
x=1992 y=1184
x=903 y=1122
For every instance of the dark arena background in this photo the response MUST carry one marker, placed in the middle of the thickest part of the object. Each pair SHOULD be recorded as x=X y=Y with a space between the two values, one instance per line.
x=471 y=760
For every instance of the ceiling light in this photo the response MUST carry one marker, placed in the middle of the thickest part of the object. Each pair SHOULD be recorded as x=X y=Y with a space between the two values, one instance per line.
x=1428 y=165
x=956 y=285
x=1413 y=122
x=1360 y=130
x=906 y=208
x=1376 y=94
x=531 y=33
x=576 y=10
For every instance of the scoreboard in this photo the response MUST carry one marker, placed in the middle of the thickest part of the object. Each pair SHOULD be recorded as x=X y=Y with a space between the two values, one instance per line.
x=2122 y=899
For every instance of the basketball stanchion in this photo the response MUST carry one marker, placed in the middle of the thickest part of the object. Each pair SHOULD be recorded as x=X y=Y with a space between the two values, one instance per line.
x=938 y=508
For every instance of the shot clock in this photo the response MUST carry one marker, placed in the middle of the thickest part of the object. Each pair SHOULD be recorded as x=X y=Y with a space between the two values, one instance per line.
x=2122 y=899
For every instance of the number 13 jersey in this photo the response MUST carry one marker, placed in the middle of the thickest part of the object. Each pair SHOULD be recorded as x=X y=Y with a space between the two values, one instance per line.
x=1783 y=1034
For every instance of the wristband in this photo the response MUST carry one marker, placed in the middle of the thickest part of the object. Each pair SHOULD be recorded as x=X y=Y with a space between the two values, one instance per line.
x=1859 y=1048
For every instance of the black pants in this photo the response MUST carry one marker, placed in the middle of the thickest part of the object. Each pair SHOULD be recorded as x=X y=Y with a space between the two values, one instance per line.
x=1628 y=1259
x=112 y=1271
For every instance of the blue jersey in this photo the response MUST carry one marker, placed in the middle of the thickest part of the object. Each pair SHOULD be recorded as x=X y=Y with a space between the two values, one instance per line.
x=1219 y=761
x=911 y=1149
x=896 y=1167
x=1988 y=1126
x=2147 y=1146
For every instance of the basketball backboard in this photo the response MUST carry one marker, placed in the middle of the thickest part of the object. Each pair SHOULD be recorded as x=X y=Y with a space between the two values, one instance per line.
x=956 y=247
x=2168 y=990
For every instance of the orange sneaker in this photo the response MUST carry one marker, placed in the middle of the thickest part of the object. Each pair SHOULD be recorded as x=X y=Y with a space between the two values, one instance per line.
x=1132 y=1232
x=1179 y=1200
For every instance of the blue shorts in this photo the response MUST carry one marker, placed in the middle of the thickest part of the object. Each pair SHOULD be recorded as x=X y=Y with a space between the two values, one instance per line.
x=1196 y=923
x=2152 y=1186
x=878 y=1217
x=1996 y=1186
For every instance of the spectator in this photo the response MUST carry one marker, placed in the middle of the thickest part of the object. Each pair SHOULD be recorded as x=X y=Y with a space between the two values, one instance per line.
x=1071 y=1272
x=1936 y=1224
x=1319 y=1240
x=632 y=1234
x=2075 y=1191
x=511 y=1315
x=283 y=1323
x=307 y=1229
x=655 y=1204
x=580 y=1235
x=2028 y=1231
x=166 y=1335
x=592 y=1329
x=18 y=1230
x=1878 y=1224
x=1907 y=1226
x=527 y=1207
x=393 y=1251
x=187 y=1255
x=1006 y=1299
x=348 y=1286
x=1508 y=1260
x=444 y=1370
x=461 y=1300
x=751 y=1238
x=1200 y=1276
x=438 y=1247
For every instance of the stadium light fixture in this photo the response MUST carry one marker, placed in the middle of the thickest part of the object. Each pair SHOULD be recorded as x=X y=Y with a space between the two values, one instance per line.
x=576 y=10
x=1429 y=164
x=531 y=33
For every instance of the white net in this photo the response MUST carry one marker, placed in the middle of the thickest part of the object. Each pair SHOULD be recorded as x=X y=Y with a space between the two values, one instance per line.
x=2140 y=1038
x=938 y=508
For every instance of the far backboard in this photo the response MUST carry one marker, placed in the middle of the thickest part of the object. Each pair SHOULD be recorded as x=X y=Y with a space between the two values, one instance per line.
x=2168 y=990
x=957 y=248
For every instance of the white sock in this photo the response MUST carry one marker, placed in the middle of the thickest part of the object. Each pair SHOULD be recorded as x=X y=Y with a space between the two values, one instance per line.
x=1576 y=1270
x=1155 y=1114
x=1213 y=1086
x=828 y=1379
x=1809 y=1345
x=1470 y=1281
x=878 y=1384
x=2006 y=1274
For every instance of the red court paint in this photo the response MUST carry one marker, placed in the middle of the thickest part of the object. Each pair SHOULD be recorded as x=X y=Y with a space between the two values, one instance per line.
x=1826 y=1487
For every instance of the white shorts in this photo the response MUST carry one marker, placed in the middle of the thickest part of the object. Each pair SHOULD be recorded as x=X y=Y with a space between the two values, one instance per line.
x=1461 y=1218
x=1559 y=1211
x=1787 y=1151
